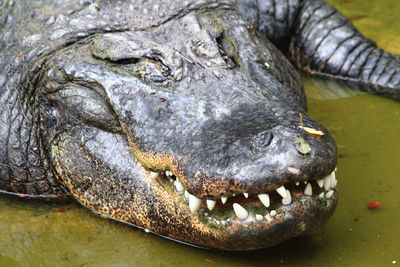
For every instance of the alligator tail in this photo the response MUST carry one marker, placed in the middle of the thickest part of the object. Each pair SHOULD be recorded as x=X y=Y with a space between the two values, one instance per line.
x=325 y=43
x=319 y=40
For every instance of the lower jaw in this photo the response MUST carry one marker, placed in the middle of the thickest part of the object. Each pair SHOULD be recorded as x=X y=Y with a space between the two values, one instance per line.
x=222 y=229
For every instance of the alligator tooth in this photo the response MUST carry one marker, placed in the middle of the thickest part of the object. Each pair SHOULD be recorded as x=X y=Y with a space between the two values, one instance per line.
x=259 y=217
x=335 y=170
x=329 y=194
x=281 y=191
x=246 y=195
x=264 y=198
x=186 y=194
x=154 y=174
x=178 y=186
x=334 y=184
x=320 y=183
x=168 y=173
x=194 y=203
x=288 y=199
x=240 y=212
x=273 y=213
x=333 y=180
x=297 y=183
x=211 y=203
x=308 y=190
x=268 y=217
x=321 y=195
x=327 y=182
x=224 y=199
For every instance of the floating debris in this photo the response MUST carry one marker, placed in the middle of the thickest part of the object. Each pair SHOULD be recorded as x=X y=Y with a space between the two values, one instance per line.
x=314 y=133
x=302 y=146
x=374 y=204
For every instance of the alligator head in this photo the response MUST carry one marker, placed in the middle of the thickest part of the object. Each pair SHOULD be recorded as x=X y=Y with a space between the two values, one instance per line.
x=189 y=129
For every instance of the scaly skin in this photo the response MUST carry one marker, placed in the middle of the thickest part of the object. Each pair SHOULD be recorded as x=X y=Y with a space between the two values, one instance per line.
x=101 y=103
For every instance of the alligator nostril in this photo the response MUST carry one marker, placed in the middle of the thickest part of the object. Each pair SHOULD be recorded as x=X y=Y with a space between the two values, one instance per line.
x=265 y=138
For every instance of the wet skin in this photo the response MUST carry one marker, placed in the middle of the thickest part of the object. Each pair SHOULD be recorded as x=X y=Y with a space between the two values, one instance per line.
x=152 y=122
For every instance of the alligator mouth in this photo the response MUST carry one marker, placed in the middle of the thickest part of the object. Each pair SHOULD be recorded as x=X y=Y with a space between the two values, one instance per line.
x=257 y=208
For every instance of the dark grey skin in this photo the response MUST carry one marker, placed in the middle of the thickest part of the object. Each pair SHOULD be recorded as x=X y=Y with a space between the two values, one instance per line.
x=102 y=101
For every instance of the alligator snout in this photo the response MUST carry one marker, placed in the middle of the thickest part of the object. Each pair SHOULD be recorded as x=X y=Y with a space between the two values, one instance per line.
x=223 y=139
x=222 y=162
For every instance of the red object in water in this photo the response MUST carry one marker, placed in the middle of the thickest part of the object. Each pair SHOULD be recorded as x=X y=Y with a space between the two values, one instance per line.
x=373 y=204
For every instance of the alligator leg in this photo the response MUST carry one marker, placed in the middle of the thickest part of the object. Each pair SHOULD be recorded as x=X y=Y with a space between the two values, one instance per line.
x=320 y=40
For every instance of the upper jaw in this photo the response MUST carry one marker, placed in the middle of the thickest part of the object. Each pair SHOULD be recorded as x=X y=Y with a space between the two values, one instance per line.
x=220 y=168
x=322 y=188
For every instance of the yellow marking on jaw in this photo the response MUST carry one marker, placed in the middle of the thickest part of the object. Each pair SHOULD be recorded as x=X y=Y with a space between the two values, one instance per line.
x=157 y=161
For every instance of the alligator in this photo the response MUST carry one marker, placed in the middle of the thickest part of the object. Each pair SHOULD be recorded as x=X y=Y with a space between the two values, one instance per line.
x=183 y=118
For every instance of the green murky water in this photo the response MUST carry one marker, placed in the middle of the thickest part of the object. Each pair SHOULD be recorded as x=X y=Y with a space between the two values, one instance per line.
x=366 y=129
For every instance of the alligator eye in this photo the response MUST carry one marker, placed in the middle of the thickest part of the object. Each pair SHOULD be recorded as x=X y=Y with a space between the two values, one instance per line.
x=154 y=72
x=149 y=70
x=134 y=59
